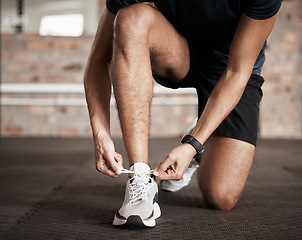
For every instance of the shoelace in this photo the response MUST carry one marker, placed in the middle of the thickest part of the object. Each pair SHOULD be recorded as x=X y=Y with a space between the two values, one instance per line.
x=139 y=185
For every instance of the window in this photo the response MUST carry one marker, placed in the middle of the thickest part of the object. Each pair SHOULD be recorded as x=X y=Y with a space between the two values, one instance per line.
x=62 y=25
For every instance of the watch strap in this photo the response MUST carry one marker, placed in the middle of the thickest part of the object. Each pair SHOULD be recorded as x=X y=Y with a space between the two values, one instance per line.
x=195 y=143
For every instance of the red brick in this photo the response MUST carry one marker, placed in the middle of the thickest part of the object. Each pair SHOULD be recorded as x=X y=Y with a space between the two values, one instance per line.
x=14 y=46
x=87 y=45
x=271 y=78
x=47 y=66
x=41 y=110
x=6 y=55
x=35 y=78
x=41 y=66
x=291 y=37
x=53 y=78
x=11 y=131
x=287 y=6
x=34 y=67
x=6 y=36
x=289 y=79
x=284 y=46
x=68 y=132
x=293 y=99
x=299 y=26
x=63 y=109
x=28 y=78
x=73 y=67
x=9 y=77
x=294 y=16
x=68 y=45
x=27 y=36
x=39 y=131
x=16 y=67
x=40 y=45
x=27 y=56
x=75 y=78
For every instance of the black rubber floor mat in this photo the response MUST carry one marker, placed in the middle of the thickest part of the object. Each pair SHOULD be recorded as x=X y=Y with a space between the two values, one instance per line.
x=82 y=206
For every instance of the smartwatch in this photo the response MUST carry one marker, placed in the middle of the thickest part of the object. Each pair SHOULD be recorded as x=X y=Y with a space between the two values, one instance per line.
x=195 y=143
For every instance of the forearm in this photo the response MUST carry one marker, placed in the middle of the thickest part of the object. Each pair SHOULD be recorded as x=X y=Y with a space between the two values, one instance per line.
x=98 y=94
x=246 y=45
x=97 y=81
x=223 y=99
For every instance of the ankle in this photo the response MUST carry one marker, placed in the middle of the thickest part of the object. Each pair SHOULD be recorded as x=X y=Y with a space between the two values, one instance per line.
x=131 y=163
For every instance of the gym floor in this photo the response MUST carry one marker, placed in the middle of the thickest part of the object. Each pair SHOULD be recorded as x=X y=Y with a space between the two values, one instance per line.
x=51 y=190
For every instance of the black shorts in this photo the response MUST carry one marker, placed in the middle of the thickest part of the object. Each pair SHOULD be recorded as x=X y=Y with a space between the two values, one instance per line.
x=205 y=70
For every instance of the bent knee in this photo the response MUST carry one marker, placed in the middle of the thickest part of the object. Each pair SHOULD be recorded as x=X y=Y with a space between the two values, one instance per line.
x=220 y=200
x=133 y=20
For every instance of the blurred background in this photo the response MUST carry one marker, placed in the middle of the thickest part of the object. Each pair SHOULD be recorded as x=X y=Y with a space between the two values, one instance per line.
x=44 y=49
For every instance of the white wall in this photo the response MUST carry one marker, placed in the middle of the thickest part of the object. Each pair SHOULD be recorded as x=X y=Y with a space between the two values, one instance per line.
x=34 y=10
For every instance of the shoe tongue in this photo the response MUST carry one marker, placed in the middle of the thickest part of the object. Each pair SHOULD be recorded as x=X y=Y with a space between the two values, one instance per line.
x=140 y=167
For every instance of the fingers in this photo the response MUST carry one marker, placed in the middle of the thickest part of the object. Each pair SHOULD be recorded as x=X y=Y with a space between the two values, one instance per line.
x=175 y=164
x=163 y=168
x=160 y=169
x=102 y=167
x=118 y=158
x=107 y=160
x=167 y=171
x=110 y=164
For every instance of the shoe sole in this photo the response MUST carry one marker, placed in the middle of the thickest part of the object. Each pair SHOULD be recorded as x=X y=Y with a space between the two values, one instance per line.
x=135 y=221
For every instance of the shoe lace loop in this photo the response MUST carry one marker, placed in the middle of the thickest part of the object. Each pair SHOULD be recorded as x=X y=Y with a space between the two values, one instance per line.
x=139 y=185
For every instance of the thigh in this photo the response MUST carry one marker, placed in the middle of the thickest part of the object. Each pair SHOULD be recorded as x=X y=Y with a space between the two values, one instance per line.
x=170 y=55
x=169 y=50
x=223 y=170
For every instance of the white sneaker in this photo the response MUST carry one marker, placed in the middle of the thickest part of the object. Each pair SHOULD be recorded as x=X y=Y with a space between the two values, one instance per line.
x=174 y=185
x=140 y=207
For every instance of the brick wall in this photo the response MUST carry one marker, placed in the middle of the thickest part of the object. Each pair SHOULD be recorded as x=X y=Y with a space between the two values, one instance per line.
x=32 y=59
x=281 y=112
x=35 y=59
x=40 y=60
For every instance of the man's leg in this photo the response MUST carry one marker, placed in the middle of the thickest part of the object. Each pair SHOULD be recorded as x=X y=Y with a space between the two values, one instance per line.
x=223 y=171
x=145 y=43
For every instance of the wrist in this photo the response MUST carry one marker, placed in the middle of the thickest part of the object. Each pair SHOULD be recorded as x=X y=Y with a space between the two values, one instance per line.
x=100 y=126
x=100 y=132
x=199 y=148
x=189 y=149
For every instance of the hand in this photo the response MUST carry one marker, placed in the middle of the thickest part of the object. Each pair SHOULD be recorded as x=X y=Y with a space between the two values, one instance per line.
x=176 y=163
x=107 y=160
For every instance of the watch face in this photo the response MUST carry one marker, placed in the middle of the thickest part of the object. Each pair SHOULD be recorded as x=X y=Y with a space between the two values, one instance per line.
x=187 y=139
x=190 y=139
